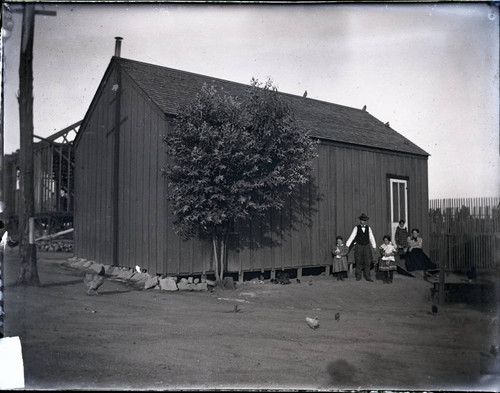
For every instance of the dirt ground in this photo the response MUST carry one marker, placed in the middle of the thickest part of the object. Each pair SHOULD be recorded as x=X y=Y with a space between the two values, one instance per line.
x=129 y=339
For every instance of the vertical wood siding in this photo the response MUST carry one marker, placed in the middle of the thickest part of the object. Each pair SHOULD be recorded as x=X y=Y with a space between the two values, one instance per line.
x=345 y=182
x=93 y=180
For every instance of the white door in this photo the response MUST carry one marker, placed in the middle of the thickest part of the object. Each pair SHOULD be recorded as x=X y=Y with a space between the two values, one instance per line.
x=399 y=203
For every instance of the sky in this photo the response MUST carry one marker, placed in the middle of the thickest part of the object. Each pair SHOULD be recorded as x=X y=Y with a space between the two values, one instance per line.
x=431 y=70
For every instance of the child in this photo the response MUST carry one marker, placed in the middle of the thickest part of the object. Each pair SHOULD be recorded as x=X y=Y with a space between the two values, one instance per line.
x=387 y=263
x=339 y=265
x=401 y=238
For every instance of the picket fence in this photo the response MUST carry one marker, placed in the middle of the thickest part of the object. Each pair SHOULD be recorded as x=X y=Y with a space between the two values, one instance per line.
x=465 y=233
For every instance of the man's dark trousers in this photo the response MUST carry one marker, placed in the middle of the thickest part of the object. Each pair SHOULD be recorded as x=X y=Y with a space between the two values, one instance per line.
x=363 y=258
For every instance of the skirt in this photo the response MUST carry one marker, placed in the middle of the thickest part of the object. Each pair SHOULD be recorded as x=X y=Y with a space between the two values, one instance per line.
x=416 y=259
x=386 y=265
x=339 y=265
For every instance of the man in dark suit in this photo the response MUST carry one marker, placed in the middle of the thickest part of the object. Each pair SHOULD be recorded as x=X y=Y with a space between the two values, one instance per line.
x=363 y=239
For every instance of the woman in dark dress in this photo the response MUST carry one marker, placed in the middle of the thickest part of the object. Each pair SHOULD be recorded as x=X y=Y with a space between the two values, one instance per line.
x=415 y=258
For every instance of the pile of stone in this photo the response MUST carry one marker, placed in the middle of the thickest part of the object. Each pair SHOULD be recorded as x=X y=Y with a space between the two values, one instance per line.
x=55 y=245
x=184 y=284
x=143 y=280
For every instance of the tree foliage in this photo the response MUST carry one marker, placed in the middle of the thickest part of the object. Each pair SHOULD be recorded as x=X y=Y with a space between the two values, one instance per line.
x=232 y=159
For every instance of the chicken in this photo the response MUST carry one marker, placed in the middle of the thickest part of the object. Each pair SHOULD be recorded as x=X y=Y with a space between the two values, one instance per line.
x=312 y=322
x=94 y=280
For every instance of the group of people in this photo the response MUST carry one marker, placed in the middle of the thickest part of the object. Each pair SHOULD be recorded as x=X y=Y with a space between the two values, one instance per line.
x=406 y=246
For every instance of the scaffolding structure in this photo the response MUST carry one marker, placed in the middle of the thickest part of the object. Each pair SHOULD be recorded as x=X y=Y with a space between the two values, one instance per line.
x=54 y=163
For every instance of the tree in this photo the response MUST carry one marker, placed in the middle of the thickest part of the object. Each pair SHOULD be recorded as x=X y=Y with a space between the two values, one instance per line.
x=233 y=159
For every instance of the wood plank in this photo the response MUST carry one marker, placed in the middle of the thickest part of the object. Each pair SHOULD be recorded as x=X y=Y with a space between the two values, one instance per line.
x=286 y=248
x=296 y=234
x=141 y=134
x=305 y=255
x=324 y=236
x=332 y=186
x=154 y=146
x=97 y=187
x=315 y=179
x=277 y=240
x=351 y=200
x=92 y=196
x=107 y=191
x=126 y=240
x=340 y=211
x=161 y=206
x=269 y=237
x=137 y=174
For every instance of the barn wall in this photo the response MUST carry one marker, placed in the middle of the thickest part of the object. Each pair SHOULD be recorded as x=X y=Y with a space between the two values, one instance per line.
x=93 y=180
x=346 y=181
x=142 y=211
x=146 y=234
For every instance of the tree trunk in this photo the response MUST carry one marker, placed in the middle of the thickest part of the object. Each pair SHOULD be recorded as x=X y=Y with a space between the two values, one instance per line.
x=28 y=273
x=220 y=248
x=216 y=259
x=222 y=256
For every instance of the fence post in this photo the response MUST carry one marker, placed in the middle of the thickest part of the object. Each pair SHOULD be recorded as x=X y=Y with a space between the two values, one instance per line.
x=442 y=268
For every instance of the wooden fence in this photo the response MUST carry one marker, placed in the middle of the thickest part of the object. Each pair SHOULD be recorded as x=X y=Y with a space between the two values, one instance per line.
x=465 y=233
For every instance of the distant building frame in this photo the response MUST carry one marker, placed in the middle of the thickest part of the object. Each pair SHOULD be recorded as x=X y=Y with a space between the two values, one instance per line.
x=54 y=163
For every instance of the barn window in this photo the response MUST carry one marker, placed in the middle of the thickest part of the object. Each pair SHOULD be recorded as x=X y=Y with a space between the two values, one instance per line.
x=399 y=202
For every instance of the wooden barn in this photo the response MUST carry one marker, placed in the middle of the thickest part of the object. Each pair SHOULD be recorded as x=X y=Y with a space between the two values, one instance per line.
x=122 y=216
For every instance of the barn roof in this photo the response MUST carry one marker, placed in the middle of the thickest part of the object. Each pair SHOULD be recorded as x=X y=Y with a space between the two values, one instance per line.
x=169 y=88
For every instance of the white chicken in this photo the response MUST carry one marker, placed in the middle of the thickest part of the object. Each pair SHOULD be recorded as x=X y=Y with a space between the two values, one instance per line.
x=312 y=322
x=94 y=280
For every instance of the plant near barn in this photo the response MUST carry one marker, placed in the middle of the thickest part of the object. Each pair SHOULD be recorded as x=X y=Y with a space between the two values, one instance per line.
x=233 y=159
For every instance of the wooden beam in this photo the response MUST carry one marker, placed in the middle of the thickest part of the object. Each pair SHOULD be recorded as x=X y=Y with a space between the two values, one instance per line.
x=54 y=235
x=115 y=192
x=64 y=131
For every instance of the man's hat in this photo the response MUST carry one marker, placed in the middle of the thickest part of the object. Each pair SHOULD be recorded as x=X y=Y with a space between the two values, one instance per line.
x=363 y=217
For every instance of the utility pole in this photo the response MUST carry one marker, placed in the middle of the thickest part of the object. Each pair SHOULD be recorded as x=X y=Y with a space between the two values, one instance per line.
x=28 y=274
x=7 y=26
